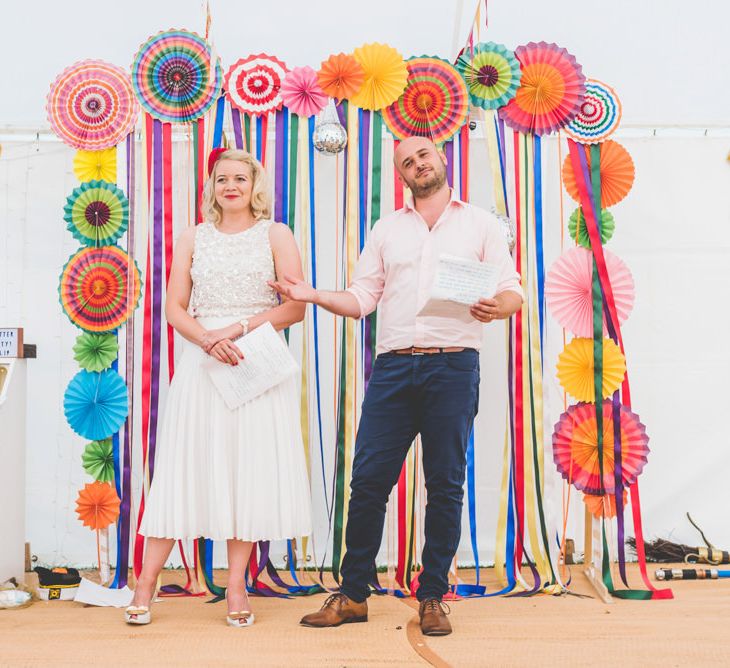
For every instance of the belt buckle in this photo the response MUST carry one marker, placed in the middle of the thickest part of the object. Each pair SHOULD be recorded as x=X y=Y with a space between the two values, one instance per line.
x=414 y=353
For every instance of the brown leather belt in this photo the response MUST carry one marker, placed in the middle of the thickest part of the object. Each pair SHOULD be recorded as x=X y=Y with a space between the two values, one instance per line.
x=415 y=350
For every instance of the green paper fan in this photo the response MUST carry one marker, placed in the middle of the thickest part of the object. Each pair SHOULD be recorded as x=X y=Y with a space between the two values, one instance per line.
x=98 y=460
x=95 y=352
x=607 y=227
x=97 y=213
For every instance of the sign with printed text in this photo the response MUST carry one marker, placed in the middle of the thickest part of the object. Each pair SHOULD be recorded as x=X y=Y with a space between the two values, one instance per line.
x=11 y=342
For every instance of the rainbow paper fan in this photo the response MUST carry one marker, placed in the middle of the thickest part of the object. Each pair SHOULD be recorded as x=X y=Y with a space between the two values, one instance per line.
x=341 y=76
x=492 y=74
x=95 y=404
x=253 y=84
x=385 y=76
x=579 y=233
x=551 y=90
x=434 y=104
x=599 y=115
x=97 y=505
x=569 y=290
x=575 y=369
x=91 y=105
x=174 y=78
x=575 y=448
x=99 y=288
x=97 y=213
x=301 y=92
x=616 y=173
x=96 y=165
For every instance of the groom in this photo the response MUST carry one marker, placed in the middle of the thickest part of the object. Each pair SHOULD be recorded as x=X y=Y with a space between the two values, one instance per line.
x=425 y=379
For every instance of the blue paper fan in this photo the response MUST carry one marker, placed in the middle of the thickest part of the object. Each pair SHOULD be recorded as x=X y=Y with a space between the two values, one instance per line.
x=95 y=404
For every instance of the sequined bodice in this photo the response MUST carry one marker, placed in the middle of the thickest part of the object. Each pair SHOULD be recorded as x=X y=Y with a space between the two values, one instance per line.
x=230 y=271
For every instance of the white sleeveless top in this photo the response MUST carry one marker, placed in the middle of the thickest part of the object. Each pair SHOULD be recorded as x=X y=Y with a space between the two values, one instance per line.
x=230 y=271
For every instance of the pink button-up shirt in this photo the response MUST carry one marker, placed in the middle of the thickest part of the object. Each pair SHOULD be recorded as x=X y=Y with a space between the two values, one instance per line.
x=398 y=266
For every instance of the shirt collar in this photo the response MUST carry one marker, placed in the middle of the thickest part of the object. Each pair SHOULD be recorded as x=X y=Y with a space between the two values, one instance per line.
x=409 y=204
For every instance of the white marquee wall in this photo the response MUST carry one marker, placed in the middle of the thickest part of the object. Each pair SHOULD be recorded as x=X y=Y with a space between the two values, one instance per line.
x=672 y=231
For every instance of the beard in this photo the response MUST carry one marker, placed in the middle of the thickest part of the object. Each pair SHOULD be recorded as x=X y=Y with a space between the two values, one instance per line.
x=427 y=187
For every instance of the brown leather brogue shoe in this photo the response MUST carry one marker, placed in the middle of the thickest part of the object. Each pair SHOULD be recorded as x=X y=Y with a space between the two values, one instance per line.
x=337 y=609
x=433 y=617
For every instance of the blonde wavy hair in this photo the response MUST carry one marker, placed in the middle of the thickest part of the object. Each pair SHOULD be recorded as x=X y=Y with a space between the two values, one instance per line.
x=260 y=195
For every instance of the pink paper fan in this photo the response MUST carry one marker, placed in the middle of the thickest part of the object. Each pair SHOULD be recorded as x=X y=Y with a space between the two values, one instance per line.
x=302 y=93
x=569 y=295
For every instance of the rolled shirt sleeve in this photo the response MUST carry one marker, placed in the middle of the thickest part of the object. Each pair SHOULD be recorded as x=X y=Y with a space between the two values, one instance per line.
x=369 y=276
x=496 y=252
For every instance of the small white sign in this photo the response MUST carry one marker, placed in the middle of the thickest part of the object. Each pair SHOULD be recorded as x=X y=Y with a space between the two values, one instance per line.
x=11 y=342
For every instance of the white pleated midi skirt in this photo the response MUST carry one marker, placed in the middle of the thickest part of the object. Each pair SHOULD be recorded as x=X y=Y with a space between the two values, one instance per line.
x=222 y=473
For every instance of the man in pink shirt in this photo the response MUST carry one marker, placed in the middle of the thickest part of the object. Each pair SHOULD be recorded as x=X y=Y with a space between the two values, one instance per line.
x=425 y=379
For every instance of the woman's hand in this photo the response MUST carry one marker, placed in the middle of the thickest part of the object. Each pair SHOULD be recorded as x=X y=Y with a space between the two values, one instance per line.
x=213 y=336
x=226 y=351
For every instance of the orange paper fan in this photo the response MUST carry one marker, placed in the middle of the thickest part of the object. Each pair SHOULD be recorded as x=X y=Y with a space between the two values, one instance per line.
x=97 y=505
x=602 y=506
x=341 y=76
x=617 y=174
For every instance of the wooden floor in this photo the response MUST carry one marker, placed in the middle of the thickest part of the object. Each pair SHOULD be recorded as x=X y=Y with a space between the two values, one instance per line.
x=537 y=631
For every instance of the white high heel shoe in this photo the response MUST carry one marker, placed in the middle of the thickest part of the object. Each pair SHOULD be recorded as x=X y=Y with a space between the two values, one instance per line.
x=240 y=619
x=137 y=614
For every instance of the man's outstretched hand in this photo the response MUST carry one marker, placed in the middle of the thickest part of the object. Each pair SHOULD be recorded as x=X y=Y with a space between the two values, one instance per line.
x=295 y=289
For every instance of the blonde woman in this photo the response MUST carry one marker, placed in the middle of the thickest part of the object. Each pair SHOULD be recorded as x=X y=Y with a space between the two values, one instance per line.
x=235 y=475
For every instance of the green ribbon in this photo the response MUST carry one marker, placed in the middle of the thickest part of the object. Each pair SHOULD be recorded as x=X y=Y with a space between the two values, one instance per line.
x=339 y=496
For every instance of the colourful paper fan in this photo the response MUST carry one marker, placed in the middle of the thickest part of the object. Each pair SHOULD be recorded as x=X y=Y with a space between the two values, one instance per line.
x=99 y=288
x=301 y=92
x=98 y=460
x=95 y=404
x=96 y=165
x=579 y=233
x=253 y=84
x=341 y=76
x=385 y=76
x=434 y=104
x=91 y=105
x=575 y=448
x=97 y=213
x=95 y=352
x=603 y=506
x=174 y=78
x=568 y=290
x=97 y=505
x=575 y=369
x=551 y=90
x=616 y=172
x=599 y=115
x=492 y=74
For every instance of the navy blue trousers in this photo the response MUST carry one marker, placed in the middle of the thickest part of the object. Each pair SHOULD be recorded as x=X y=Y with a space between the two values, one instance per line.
x=436 y=396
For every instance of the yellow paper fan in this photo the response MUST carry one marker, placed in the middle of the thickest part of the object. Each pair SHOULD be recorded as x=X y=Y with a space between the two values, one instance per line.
x=96 y=165
x=575 y=368
x=385 y=76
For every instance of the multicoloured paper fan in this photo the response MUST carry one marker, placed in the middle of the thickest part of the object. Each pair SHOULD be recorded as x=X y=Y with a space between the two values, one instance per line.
x=551 y=90
x=91 y=105
x=434 y=104
x=173 y=76
x=616 y=173
x=385 y=76
x=341 y=76
x=302 y=93
x=97 y=505
x=599 y=115
x=97 y=213
x=96 y=165
x=253 y=84
x=579 y=233
x=568 y=290
x=95 y=291
x=603 y=506
x=98 y=460
x=575 y=369
x=95 y=404
x=95 y=352
x=575 y=448
x=492 y=74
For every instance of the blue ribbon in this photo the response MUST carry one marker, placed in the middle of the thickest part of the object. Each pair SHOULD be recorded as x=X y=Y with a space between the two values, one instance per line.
x=538 y=238
x=259 y=142
x=219 y=113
